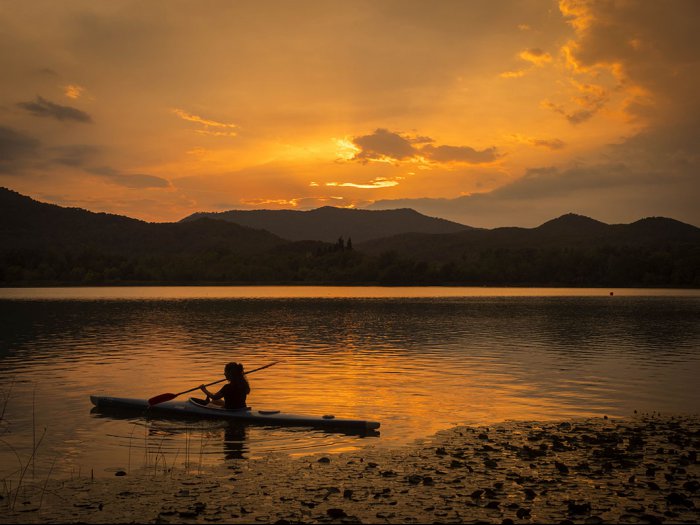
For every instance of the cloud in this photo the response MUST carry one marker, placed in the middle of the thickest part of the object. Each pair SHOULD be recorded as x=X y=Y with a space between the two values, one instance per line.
x=551 y=144
x=45 y=108
x=389 y=146
x=131 y=180
x=16 y=149
x=208 y=123
x=591 y=100
x=73 y=91
x=648 y=49
x=460 y=154
x=299 y=203
x=379 y=182
x=512 y=74
x=653 y=173
x=75 y=155
x=535 y=56
x=384 y=144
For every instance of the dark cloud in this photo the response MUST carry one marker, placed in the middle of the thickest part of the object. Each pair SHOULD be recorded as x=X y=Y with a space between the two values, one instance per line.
x=459 y=154
x=75 y=155
x=129 y=180
x=45 y=108
x=549 y=143
x=384 y=144
x=577 y=116
x=16 y=149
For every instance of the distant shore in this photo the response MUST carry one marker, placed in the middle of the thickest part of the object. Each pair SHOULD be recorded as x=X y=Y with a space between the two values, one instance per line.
x=296 y=284
x=637 y=470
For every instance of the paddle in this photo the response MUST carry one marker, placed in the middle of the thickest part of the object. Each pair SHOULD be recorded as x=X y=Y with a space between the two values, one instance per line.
x=162 y=398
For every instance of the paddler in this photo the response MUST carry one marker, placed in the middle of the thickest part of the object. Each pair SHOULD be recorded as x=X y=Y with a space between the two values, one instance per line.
x=235 y=391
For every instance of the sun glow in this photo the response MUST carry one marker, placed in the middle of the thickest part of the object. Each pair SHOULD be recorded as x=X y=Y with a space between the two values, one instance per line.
x=346 y=149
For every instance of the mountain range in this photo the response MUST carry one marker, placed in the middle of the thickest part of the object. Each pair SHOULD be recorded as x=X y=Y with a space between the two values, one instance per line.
x=43 y=243
x=328 y=223
x=28 y=224
x=569 y=231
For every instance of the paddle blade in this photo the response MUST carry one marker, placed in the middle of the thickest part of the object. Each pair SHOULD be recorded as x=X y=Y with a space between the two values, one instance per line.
x=162 y=398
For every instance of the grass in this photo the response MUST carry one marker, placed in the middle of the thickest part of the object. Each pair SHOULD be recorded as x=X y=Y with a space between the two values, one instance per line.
x=16 y=484
x=10 y=493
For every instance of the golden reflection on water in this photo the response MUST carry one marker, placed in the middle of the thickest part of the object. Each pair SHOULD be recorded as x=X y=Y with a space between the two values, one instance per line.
x=416 y=364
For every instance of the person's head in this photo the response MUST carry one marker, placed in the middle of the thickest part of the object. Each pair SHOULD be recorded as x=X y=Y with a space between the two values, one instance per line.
x=233 y=370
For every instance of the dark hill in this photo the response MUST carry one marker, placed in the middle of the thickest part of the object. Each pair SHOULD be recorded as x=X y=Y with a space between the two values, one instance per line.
x=329 y=223
x=567 y=232
x=44 y=244
x=26 y=224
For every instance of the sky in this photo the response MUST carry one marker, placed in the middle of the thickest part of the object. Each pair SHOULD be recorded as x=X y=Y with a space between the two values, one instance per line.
x=486 y=112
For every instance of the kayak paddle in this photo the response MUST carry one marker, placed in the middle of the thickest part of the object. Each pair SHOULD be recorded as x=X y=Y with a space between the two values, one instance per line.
x=162 y=398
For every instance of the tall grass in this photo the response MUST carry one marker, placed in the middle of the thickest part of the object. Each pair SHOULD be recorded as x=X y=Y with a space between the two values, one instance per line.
x=10 y=493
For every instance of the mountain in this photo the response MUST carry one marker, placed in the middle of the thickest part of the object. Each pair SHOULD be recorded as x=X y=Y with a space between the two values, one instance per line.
x=329 y=223
x=44 y=244
x=570 y=231
x=26 y=224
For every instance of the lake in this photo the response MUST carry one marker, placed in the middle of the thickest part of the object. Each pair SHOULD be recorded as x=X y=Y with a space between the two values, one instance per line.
x=417 y=359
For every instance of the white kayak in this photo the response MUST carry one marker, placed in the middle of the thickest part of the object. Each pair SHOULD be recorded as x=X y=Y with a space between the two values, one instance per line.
x=192 y=409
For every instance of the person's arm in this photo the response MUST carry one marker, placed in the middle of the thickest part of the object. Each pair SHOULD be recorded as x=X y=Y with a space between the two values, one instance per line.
x=216 y=396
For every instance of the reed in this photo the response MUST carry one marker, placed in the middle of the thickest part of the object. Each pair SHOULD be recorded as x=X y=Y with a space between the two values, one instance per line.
x=46 y=481
x=11 y=494
x=131 y=437
x=6 y=399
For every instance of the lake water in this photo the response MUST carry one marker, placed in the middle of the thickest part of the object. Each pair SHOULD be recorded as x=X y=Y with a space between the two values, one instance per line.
x=417 y=359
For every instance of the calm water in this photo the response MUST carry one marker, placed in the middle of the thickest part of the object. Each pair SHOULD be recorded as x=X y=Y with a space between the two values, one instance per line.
x=416 y=359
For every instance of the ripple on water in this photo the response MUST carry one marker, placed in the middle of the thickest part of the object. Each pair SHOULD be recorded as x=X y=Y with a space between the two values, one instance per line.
x=417 y=365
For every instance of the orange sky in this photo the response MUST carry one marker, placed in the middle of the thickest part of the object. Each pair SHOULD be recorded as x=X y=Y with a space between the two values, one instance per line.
x=489 y=113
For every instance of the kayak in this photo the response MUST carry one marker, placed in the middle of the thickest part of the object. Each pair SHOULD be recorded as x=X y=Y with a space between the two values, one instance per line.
x=192 y=409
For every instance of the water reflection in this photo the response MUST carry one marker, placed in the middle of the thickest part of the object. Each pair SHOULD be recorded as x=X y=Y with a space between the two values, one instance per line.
x=234 y=441
x=415 y=364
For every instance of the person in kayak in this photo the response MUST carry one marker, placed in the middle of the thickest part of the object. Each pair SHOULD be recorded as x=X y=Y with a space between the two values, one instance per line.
x=235 y=391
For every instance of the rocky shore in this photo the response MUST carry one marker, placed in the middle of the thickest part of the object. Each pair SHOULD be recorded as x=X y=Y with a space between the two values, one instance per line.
x=638 y=470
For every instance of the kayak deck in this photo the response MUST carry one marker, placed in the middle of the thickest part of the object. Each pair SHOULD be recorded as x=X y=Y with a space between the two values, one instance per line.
x=192 y=409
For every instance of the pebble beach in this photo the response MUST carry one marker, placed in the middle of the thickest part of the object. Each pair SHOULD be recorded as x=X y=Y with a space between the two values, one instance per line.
x=642 y=469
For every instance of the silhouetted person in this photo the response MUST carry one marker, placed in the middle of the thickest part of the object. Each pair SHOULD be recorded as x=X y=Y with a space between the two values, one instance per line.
x=235 y=391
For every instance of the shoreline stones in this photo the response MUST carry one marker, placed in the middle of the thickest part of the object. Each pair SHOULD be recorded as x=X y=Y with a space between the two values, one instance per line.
x=638 y=470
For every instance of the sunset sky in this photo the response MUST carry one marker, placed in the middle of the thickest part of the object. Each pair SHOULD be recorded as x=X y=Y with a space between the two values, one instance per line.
x=489 y=113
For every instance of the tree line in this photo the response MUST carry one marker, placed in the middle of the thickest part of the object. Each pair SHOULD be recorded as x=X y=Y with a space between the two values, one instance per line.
x=329 y=263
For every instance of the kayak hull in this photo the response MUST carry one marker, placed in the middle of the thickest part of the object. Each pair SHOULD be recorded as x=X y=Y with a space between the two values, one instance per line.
x=191 y=409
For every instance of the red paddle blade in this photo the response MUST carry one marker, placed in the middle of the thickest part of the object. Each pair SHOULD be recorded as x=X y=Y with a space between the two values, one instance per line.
x=162 y=398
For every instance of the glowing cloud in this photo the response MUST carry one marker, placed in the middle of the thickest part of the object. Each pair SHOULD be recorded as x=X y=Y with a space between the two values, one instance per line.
x=512 y=74
x=536 y=56
x=207 y=123
x=73 y=91
x=379 y=182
